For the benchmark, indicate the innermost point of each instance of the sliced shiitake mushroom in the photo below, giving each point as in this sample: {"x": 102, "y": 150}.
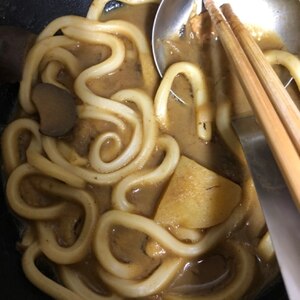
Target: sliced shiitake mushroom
{"x": 56, "y": 108}
{"x": 15, "y": 43}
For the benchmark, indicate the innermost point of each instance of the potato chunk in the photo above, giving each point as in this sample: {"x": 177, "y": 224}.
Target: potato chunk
{"x": 197, "y": 197}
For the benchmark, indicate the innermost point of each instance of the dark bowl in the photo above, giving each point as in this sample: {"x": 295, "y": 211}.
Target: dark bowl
{"x": 35, "y": 15}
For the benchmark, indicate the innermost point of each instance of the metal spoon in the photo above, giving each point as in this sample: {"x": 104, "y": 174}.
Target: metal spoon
{"x": 282, "y": 217}
{"x": 280, "y": 16}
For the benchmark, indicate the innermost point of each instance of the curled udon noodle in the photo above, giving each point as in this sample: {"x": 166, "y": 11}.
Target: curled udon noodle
{"x": 51, "y": 157}
{"x": 157, "y": 281}
{"x": 74, "y": 26}
{"x": 90, "y": 112}
{"x": 123, "y": 277}
{"x": 289, "y": 61}
{"x": 47, "y": 238}
{"x": 144, "y": 103}
{"x": 47, "y": 167}
{"x": 21, "y": 207}
{"x": 71, "y": 154}
{"x": 49, "y": 42}
{"x": 46, "y": 284}
{"x": 126, "y": 156}
{"x": 73, "y": 281}
{"x": 31, "y": 67}
{"x": 81, "y": 89}
{"x": 200, "y": 93}
{"x": 50, "y": 73}
{"x": 56, "y": 60}
{"x": 157, "y": 233}
{"x": 33, "y": 153}
{"x": 10, "y": 139}
{"x": 65, "y": 57}
{"x": 148, "y": 177}
{"x": 36, "y": 159}
{"x": 235, "y": 289}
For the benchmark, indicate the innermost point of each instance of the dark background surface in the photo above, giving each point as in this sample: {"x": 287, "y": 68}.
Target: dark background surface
{"x": 34, "y": 15}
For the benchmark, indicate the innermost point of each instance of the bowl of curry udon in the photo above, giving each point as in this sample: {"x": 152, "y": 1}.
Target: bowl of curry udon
{"x": 112, "y": 188}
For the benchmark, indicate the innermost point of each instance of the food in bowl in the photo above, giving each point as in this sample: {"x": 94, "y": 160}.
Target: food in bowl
{"x": 124, "y": 191}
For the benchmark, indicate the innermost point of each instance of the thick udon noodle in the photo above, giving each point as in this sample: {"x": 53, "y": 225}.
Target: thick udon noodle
{"x": 142, "y": 111}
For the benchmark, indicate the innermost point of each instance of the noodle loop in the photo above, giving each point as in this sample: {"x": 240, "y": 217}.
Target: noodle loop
{"x": 88, "y": 196}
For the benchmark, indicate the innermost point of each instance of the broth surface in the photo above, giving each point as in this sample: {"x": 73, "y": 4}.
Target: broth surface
{"x": 200, "y": 275}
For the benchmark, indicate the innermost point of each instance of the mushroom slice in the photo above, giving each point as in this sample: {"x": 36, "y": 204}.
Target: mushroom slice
{"x": 15, "y": 43}
{"x": 56, "y": 108}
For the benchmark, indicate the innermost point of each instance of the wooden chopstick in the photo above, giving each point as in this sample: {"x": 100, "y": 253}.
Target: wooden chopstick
{"x": 281, "y": 100}
{"x": 283, "y": 148}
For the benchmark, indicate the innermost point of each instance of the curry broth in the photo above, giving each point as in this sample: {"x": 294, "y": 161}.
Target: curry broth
{"x": 201, "y": 275}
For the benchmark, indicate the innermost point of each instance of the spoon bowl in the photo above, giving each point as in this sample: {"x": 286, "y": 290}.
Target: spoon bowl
{"x": 279, "y": 16}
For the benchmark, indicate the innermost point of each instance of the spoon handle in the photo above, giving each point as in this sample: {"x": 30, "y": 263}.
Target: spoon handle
{"x": 282, "y": 217}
